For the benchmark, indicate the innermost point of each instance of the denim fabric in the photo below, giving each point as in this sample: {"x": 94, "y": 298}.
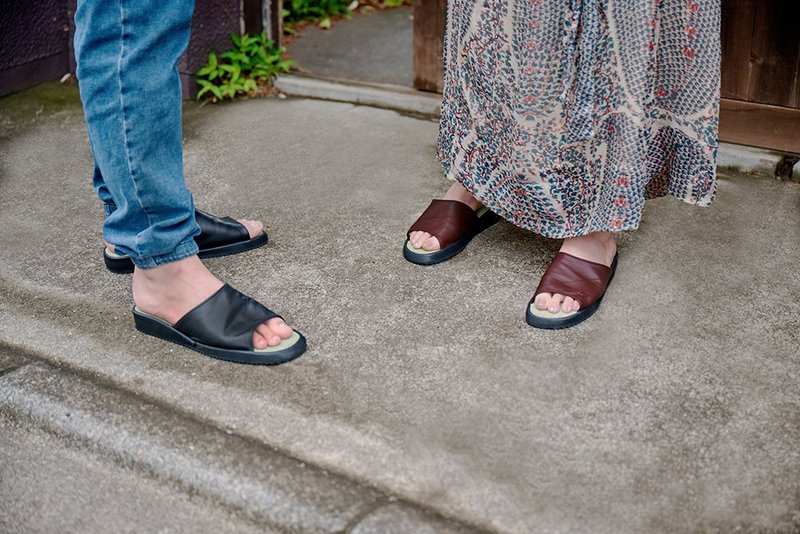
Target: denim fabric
{"x": 127, "y": 53}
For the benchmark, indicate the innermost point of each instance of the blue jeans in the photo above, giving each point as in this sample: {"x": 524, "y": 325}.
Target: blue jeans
{"x": 127, "y": 53}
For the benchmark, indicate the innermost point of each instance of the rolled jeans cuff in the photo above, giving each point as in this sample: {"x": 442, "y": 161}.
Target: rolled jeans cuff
{"x": 109, "y": 208}
{"x": 184, "y": 250}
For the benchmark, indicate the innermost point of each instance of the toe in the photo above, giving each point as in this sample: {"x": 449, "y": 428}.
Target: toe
{"x": 554, "y": 305}
{"x": 567, "y": 305}
{"x": 541, "y": 301}
{"x": 259, "y": 341}
{"x": 279, "y": 327}
{"x": 271, "y": 337}
{"x": 420, "y": 238}
{"x": 254, "y": 228}
{"x": 431, "y": 243}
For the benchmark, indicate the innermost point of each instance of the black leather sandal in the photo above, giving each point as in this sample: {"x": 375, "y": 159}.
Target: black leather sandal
{"x": 219, "y": 236}
{"x": 222, "y": 327}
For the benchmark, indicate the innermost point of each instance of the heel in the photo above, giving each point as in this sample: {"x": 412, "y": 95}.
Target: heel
{"x": 118, "y": 265}
{"x": 153, "y": 326}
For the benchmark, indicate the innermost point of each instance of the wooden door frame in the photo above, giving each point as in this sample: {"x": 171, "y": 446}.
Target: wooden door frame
{"x": 264, "y": 16}
{"x": 429, "y": 29}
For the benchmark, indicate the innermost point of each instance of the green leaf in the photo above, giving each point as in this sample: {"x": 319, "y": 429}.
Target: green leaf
{"x": 209, "y": 88}
{"x": 253, "y": 58}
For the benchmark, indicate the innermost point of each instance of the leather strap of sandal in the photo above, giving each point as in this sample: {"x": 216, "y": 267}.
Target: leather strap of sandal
{"x": 583, "y": 280}
{"x": 446, "y": 220}
{"x": 226, "y": 319}
{"x": 218, "y": 231}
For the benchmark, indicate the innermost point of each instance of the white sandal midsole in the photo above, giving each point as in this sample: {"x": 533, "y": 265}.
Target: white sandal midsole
{"x": 545, "y": 314}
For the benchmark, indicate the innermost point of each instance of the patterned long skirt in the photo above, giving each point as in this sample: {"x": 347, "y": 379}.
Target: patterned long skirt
{"x": 564, "y": 116}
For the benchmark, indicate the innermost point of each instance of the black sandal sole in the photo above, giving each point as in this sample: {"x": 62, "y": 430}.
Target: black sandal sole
{"x": 486, "y": 221}
{"x": 125, "y": 265}
{"x": 161, "y": 329}
{"x": 565, "y": 322}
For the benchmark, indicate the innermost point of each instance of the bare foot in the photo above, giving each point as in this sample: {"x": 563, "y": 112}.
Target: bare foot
{"x": 171, "y": 290}
{"x": 425, "y": 240}
{"x": 254, "y": 228}
{"x": 598, "y": 247}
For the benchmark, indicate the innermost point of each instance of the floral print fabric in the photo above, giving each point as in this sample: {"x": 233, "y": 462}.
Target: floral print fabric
{"x": 564, "y": 116}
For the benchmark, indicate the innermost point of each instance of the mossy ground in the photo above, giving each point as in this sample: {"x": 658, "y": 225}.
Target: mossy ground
{"x": 25, "y": 107}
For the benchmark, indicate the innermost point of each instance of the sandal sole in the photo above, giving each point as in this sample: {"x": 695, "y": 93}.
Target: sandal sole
{"x": 153, "y": 326}
{"x": 124, "y": 265}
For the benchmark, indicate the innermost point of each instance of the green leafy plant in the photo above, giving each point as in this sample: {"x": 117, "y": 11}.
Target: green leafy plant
{"x": 319, "y": 11}
{"x": 253, "y": 59}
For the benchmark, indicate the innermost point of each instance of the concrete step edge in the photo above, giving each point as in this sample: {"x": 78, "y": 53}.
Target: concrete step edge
{"x": 15, "y": 296}
{"x": 374, "y": 95}
{"x": 732, "y": 158}
{"x": 235, "y": 472}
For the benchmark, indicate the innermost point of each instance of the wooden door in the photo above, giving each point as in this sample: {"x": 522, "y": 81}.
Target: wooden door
{"x": 761, "y": 73}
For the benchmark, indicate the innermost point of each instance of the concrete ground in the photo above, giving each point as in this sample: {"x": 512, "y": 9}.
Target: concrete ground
{"x": 424, "y": 401}
{"x": 372, "y": 46}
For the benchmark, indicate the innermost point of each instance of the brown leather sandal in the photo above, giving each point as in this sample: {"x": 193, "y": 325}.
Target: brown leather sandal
{"x": 453, "y": 223}
{"x": 583, "y": 280}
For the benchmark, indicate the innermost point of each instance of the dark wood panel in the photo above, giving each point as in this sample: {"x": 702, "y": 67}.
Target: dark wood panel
{"x": 429, "y": 29}
{"x": 274, "y": 22}
{"x": 776, "y": 54}
{"x": 253, "y": 15}
{"x": 264, "y": 16}
{"x": 759, "y": 125}
{"x": 738, "y": 24}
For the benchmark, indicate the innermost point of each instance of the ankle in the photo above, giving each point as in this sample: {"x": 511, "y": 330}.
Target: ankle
{"x": 597, "y": 246}
{"x": 170, "y": 290}
{"x": 604, "y": 239}
{"x": 459, "y": 192}
{"x": 170, "y": 271}
{"x": 151, "y": 286}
